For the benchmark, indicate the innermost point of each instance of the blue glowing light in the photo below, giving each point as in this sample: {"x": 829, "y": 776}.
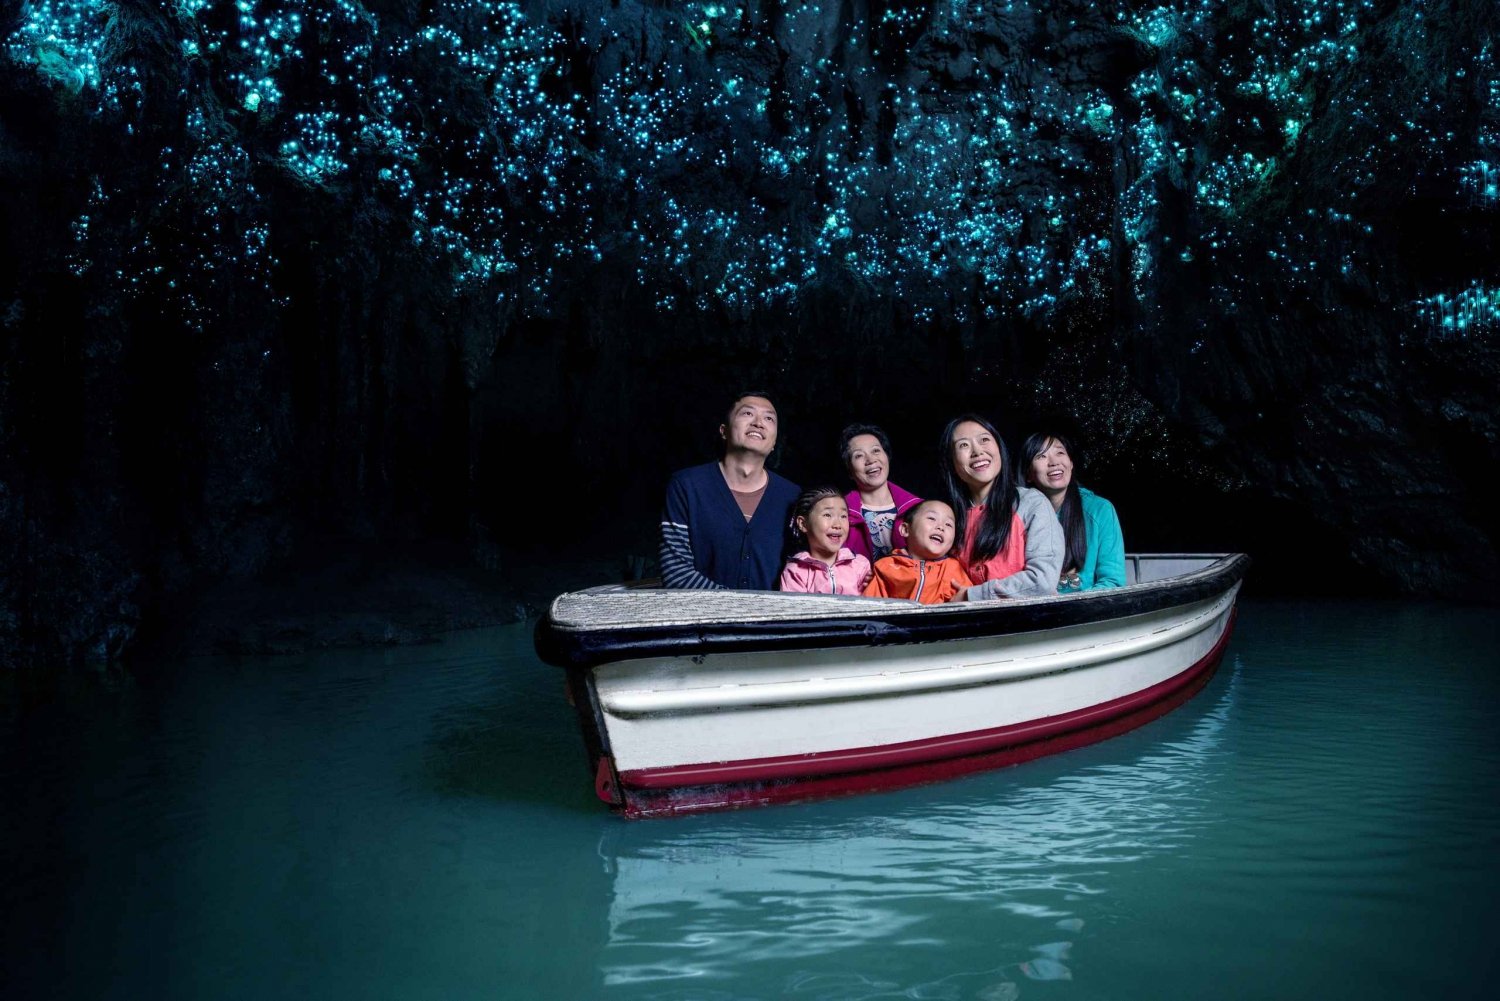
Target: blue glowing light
{"x": 1472, "y": 312}
{"x": 741, "y": 159}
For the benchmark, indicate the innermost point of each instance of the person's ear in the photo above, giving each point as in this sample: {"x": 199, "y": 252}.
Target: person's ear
{"x": 903, "y": 528}
{"x": 724, "y": 431}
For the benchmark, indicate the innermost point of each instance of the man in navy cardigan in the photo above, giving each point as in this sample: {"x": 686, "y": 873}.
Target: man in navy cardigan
{"x": 725, "y": 521}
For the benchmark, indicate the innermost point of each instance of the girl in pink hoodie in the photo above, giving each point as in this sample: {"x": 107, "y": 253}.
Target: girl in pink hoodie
{"x": 820, "y": 519}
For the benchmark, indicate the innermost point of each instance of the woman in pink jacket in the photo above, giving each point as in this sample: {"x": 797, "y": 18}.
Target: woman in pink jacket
{"x": 875, "y": 503}
{"x": 820, "y": 519}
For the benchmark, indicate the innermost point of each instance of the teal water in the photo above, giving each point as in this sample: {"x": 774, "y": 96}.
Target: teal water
{"x": 1321, "y": 821}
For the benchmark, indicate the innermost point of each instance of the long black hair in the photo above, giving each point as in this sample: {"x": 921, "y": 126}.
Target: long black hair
{"x": 1075, "y": 529}
{"x": 999, "y": 507}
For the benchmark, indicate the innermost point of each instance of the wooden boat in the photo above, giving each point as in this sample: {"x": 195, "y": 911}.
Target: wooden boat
{"x": 699, "y": 700}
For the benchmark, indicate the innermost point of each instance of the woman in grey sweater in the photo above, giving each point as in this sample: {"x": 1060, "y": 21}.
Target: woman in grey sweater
{"x": 1009, "y": 539}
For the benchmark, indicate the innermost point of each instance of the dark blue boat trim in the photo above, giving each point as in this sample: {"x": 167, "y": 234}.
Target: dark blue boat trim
{"x": 577, "y": 648}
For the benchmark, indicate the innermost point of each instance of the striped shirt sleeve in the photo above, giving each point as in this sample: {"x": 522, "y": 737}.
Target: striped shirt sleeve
{"x": 678, "y": 569}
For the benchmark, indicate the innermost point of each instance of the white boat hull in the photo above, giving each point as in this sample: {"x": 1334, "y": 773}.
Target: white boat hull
{"x": 722, "y": 723}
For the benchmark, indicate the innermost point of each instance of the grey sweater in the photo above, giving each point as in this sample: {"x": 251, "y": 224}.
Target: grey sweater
{"x": 1045, "y": 549}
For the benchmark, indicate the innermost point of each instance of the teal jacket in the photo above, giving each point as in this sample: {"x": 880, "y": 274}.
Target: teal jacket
{"x": 1104, "y": 562}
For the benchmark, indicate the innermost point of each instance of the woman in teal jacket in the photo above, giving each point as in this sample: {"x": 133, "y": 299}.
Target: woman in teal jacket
{"x": 1096, "y": 547}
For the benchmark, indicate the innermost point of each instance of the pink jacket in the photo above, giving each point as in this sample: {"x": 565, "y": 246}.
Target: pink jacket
{"x": 848, "y": 575}
{"x": 859, "y": 532}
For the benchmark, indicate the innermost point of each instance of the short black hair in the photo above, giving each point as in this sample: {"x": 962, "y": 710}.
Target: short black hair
{"x": 774, "y": 459}
{"x": 729, "y": 412}
{"x": 854, "y": 431}
{"x": 911, "y": 512}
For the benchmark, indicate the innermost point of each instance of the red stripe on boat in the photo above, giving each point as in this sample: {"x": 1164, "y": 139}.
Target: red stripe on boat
{"x": 725, "y": 785}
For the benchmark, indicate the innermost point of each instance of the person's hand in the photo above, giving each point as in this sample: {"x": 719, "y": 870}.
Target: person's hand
{"x": 962, "y": 594}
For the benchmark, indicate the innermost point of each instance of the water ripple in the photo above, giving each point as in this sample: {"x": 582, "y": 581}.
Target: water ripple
{"x": 1319, "y": 821}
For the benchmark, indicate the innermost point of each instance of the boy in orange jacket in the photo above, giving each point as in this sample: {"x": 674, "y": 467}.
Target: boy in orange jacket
{"x": 922, "y": 571}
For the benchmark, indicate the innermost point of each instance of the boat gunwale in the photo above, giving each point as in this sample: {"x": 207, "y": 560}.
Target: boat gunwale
{"x": 637, "y": 703}
{"x": 581, "y": 647}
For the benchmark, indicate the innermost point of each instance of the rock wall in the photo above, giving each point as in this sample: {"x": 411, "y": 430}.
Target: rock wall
{"x": 420, "y": 268}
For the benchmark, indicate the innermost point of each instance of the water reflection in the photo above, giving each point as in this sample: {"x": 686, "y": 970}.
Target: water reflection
{"x": 988, "y": 876}
{"x": 420, "y": 823}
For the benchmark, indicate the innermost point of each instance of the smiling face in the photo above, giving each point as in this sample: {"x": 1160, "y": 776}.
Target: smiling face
{"x": 751, "y": 426}
{"x": 928, "y": 530}
{"x": 1051, "y": 469}
{"x": 826, "y": 527}
{"x": 976, "y": 457}
{"x": 868, "y": 464}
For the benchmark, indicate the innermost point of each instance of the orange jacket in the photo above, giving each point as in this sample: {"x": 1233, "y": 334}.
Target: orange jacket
{"x": 902, "y": 575}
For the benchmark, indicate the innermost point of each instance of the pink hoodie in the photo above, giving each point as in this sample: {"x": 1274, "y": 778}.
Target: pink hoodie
{"x": 848, "y": 575}
{"x": 859, "y": 532}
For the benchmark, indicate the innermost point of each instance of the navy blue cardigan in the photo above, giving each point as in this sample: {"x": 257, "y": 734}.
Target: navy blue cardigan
{"x": 706, "y": 541}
